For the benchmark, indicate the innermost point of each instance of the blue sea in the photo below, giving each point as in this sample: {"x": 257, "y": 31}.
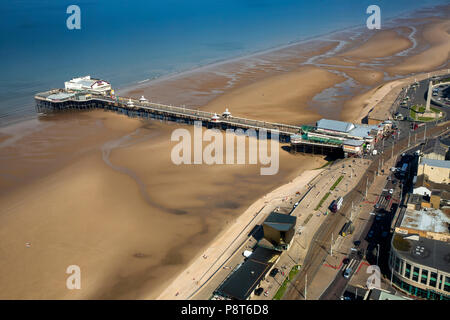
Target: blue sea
{"x": 129, "y": 41}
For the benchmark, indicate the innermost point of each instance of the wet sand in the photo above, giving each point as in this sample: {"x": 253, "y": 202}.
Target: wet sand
{"x": 381, "y": 44}
{"x": 99, "y": 190}
{"x": 123, "y": 212}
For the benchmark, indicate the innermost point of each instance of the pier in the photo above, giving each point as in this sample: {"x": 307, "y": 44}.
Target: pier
{"x": 326, "y": 137}
{"x": 60, "y": 100}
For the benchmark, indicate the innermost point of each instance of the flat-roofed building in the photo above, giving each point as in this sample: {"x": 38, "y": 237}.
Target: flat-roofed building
{"x": 420, "y": 266}
{"x": 427, "y": 222}
{"x": 380, "y": 294}
{"x": 437, "y": 171}
{"x": 60, "y": 96}
{"x": 435, "y": 198}
{"x": 353, "y": 146}
{"x": 420, "y": 249}
{"x": 240, "y": 285}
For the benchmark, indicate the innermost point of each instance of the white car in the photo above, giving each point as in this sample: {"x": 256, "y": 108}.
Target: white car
{"x": 247, "y": 253}
{"x": 391, "y": 191}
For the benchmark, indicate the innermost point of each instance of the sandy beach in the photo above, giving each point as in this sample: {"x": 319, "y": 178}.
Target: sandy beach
{"x": 99, "y": 190}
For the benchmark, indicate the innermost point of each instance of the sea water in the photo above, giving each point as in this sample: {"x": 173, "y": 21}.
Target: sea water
{"x": 127, "y": 42}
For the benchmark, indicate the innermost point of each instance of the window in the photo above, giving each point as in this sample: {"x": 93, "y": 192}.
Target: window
{"x": 408, "y": 271}
{"x": 406, "y": 287}
{"x": 424, "y": 277}
{"x": 447, "y": 284}
{"x": 416, "y": 274}
{"x": 397, "y": 264}
{"x": 421, "y": 293}
{"x": 433, "y": 279}
{"x": 397, "y": 281}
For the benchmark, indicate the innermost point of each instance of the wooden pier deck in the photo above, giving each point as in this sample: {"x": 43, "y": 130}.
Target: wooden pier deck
{"x": 147, "y": 109}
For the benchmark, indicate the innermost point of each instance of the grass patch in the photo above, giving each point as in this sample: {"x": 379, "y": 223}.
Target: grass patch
{"x": 307, "y": 219}
{"x": 425, "y": 119}
{"x": 416, "y": 111}
{"x": 336, "y": 183}
{"x": 282, "y": 289}
{"x": 322, "y": 200}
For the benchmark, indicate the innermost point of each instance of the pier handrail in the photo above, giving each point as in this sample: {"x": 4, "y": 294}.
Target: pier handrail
{"x": 175, "y": 110}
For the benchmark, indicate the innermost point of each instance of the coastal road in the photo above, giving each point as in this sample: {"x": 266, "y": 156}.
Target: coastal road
{"x": 319, "y": 246}
{"x": 376, "y": 224}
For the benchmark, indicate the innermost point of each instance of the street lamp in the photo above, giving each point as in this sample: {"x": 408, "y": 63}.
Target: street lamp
{"x": 306, "y": 283}
{"x": 378, "y": 252}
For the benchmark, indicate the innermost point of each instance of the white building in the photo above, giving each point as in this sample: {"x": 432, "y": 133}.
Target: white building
{"x": 87, "y": 83}
{"x": 423, "y": 191}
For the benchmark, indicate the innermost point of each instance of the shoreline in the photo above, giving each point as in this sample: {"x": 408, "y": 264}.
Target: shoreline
{"x": 251, "y": 100}
{"x": 319, "y": 37}
{"x": 376, "y": 98}
{"x": 229, "y": 239}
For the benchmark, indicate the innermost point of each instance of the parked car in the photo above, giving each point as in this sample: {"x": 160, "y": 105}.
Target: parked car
{"x": 347, "y": 273}
{"x": 259, "y": 291}
{"x": 357, "y": 243}
{"x": 391, "y": 191}
{"x": 274, "y": 272}
{"x": 370, "y": 234}
{"x": 247, "y": 253}
{"x": 346, "y": 261}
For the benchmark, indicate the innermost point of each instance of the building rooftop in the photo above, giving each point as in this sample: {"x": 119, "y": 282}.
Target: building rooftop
{"x": 434, "y": 254}
{"x": 361, "y": 131}
{"x": 335, "y": 125}
{"x": 436, "y": 192}
{"x": 265, "y": 255}
{"x": 434, "y": 146}
{"x": 240, "y": 284}
{"x": 281, "y": 222}
{"x": 60, "y": 96}
{"x": 436, "y": 163}
{"x": 377, "y": 294}
{"x": 244, "y": 280}
{"x": 426, "y": 219}
{"x": 356, "y": 143}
